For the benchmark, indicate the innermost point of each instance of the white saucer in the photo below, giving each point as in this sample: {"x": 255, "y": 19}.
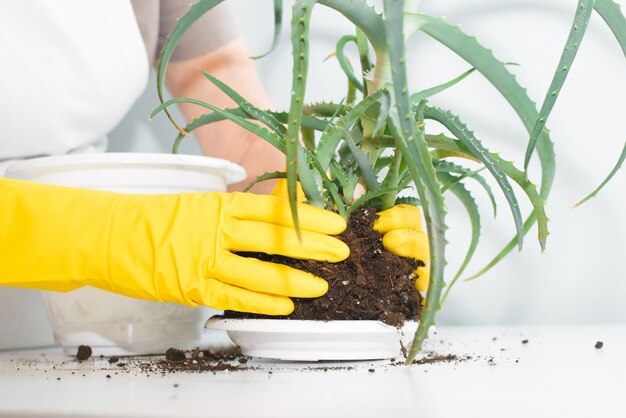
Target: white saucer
{"x": 316, "y": 340}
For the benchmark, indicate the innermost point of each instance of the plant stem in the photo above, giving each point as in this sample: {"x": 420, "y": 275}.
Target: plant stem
{"x": 382, "y": 71}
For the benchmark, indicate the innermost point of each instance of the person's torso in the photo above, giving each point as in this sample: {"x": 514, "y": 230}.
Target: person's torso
{"x": 71, "y": 70}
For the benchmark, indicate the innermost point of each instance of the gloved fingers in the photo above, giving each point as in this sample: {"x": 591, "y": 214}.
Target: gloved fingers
{"x": 273, "y": 239}
{"x": 266, "y": 277}
{"x": 399, "y": 217}
{"x": 423, "y": 277}
{"x": 219, "y": 295}
{"x": 414, "y": 244}
{"x": 280, "y": 190}
{"x": 408, "y": 243}
{"x": 276, "y": 210}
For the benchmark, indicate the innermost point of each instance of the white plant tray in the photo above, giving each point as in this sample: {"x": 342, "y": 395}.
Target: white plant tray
{"x": 316, "y": 340}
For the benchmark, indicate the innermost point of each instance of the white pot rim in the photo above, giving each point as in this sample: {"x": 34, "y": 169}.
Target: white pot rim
{"x": 300, "y": 326}
{"x": 234, "y": 172}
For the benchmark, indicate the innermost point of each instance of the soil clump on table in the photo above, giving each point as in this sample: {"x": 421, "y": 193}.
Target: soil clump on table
{"x": 83, "y": 353}
{"x": 372, "y": 284}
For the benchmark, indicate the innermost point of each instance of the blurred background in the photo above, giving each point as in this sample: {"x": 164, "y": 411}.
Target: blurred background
{"x": 581, "y": 277}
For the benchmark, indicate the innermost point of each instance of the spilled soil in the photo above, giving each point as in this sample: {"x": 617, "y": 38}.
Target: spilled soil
{"x": 372, "y": 284}
{"x": 197, "y": 361}
{"x": 232, "y": 360}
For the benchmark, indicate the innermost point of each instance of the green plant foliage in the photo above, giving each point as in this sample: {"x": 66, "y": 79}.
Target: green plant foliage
{"x": 463, "y": 172}
{"x": 345, "y": 64}
{"x": 278, "y": 24}
{"x": 411, "y": 141}
{"x": 614, "y": 18}
{"x": 196, "y": 11}
{"x": 425, "y": 94}
{"x": 299, "y": 40}
{"x": 581, "y": 20}
{"x": 620, "y": 161}
{"x": 368, "y": 147}
{"x": 467, "y": 138}
{"x": 465, "y": 197}
{"x": 496, "y": 72}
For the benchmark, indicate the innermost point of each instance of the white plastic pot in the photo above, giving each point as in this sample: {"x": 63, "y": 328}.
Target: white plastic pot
{"x": 316, "y": 340}
{"x": 113, "y": 324}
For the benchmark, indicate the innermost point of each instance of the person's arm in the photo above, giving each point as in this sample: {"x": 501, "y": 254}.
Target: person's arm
{"x": 231, "y": 64}
{"x": 172, "y": 248}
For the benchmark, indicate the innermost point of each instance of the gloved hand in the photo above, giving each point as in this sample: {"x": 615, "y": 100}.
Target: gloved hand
{"x": 171, "y": 248}
{"x": 401, "y": 227}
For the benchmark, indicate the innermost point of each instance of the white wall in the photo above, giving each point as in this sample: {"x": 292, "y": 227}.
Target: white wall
{"x": 581, "y": 276}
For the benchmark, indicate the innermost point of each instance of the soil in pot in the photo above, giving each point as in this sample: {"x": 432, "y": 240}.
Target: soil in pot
{"x": 372, "y": 284}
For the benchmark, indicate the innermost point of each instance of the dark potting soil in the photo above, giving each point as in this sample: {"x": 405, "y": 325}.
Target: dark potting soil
{"x": 175, "y": 355}
{"x": 432, "y": 358}
{"x": 197, "y": 361}
{"x": 232, "y": 360}
{"x": 83, "y": 353}
{"x": 372, "y": 284}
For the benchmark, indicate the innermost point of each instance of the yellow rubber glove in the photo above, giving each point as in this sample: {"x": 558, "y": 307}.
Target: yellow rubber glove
{"x": 171, "y": 248}
{"x": 401, "y": 227}
{"x": 281, "y": 190}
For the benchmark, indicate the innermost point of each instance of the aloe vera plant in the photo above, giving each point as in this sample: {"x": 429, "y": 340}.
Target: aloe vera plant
{"x": 376, "y": 139}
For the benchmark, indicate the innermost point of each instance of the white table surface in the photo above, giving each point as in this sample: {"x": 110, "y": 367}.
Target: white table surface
{"x": 558, "y": 373}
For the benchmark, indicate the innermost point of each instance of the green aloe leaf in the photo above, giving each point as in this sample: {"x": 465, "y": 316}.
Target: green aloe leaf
{"x": 538, "y": 214}
{"x": 614, "y": 18}
{"x": 411, "y": 141}
{"x": 408, "y": 200}
{"x": 466, "y": 198}
{"x": 467, "y": 137}
{"x": 208, "y": 118}
{"x": 331, "y": 187}
{"x": 308, "y": 138}
{"x": 367, "y": 171}
{"x": 300, "y": 50}
{"x": 392, "y": 180}
{"x": 365, "y": 198}
{"x": 576, "y": 34}
{"x": 449, "y": 146}
{"x": 364, "y": 57}
{"x": 383, "y": 114}
{"x": 326, "y": 109}
{"x": 347, "y": 179}
{"x": 425, "y": 94}
{"x": 266, "y": 176}
{"x": 383, "y": 162}
{"x": 195, "y": 12}
{"x": 461, "y": 177}
{"x": 617, "y": 166}
{"x": 309, "y": 178}
{"x": 330, "y": 139}
{"x": 449, "y": 167}
{"x": 344, "y": 63}
{"x": 278, "y": 24}
{"x": 260, "y": 131}
{"x": 202, "y": 120}
{"x": 364, "y": 17}
{"x": 262, "y": 116}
